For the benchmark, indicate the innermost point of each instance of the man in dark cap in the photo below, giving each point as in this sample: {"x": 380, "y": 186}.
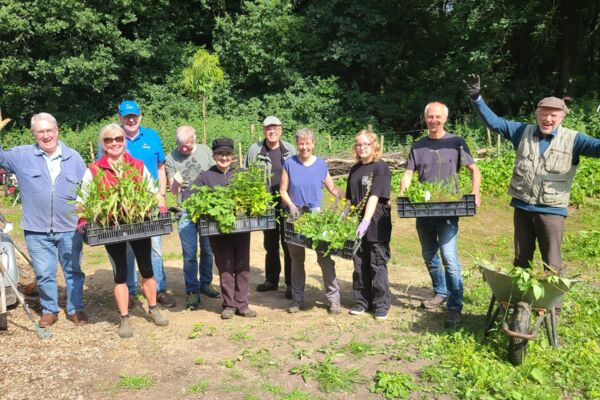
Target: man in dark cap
{"x": 547, "y": 156}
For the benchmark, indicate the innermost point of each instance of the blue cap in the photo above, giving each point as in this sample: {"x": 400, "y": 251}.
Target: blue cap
{"x": 128, "y": 107}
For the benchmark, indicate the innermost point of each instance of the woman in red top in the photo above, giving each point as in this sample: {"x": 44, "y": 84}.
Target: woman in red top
{"x": 112, "y": 139}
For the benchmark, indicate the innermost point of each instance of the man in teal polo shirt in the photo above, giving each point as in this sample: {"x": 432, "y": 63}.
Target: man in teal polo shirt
{"x": 145, "y": 144}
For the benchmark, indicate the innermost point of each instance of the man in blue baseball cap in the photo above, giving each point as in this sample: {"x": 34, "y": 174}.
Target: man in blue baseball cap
{"x": 145, "y": 144}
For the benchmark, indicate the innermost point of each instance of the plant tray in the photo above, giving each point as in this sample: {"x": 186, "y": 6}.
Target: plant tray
{"x": 210, "y": 227}
{"x": 463, "y": 208}
{"x": 157, "y": 225}
{"x": 292, "y": 237}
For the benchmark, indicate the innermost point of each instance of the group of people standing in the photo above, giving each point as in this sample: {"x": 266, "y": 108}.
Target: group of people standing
{"x": 49, "y": 174}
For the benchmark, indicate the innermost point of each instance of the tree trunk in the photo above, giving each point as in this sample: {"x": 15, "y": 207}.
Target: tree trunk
{"x": 203, "y": 119}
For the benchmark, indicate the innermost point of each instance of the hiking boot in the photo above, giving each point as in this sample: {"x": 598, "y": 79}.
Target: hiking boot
{"x": 125, "y": 329}
{"x": 288, "y": 292}
{"x": 166, "y": 299}
{"x": 156, "y": 317}
{"x": 246, "y": 313}
{"x": 381, "y": 315}
{"x": 335, "y": 309}
{"x": 294, "y": 308}
{"x": 357, "y": 309}
{"x": 78, "y": 318}
{"x": 433, "y": 302}
{"x": 227, "y": 313}
{"x": 267, "y": 286}
{"x": 209, "y": 291}
{"x": 192, "y": 301}
{"x": 453, "y": 318}
{"x": 47, "y": 320}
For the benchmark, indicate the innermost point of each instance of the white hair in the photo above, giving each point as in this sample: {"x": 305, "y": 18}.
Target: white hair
{"x": 42, "y": 117}
{"x": 437, "y": 103}
{"x": 185, "y": 132}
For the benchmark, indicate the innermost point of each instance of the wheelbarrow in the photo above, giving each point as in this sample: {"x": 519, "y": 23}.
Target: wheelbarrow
{"x": 517, "y": 307}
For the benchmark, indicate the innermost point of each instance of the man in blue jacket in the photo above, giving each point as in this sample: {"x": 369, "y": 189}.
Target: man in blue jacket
{"x": 49, "y": 174}
{"x": 547, "y": 157}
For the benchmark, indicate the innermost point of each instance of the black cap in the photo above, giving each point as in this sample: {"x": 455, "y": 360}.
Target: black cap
{"x": 223, "y": 145}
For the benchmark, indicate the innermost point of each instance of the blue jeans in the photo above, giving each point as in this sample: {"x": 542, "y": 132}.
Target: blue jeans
{"x": 157, "y": 267}
{"x": 188, "y": 235}
{"x": 46, "y": 250}
{"x": 439, "y": 235}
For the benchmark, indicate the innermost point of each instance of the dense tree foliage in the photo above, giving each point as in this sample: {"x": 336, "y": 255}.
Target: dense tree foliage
{"x": 335, "y": 65}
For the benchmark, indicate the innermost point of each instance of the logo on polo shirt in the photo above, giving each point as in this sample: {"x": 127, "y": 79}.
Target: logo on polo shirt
{"x": 146, "y": 146}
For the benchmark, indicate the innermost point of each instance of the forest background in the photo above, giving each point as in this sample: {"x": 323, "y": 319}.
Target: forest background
{"x": 335, "y": 66}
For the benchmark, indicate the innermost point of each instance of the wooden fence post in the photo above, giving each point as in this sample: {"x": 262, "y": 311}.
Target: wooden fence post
{"x": 381, "y": 136}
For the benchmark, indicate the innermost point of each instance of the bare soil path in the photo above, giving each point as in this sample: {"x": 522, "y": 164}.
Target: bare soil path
{"x": 237, "y": 359}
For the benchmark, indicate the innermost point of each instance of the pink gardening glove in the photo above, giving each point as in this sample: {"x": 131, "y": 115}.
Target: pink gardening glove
{"x": 163, "y": 210}
{"x": 81, "y": 224}
{"x": 362, "y": 228}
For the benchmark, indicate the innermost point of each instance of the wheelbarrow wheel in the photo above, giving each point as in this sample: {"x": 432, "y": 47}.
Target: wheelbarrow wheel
{"x": 517, "y": 347}
{"x": 3, "y": 322}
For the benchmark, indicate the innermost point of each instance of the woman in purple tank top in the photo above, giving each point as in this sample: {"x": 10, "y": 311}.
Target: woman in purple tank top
{"x": 302, "y": 181}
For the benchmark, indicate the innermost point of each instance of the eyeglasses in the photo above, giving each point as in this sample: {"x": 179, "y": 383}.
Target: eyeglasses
{"x": 116, "y": 139}
{"x": 40, "y": 132}
{"x": 224, "y": 155}
{"x": 359, "y": 145}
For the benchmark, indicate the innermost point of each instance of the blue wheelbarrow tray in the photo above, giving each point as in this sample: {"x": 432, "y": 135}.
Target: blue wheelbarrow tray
{"x": 505, "y": 290}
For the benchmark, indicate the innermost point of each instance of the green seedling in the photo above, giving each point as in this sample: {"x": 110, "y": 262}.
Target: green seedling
{"x": 198, "y": 388}
{"x": 393, "y": 385}
{"x": 136, "y": 382}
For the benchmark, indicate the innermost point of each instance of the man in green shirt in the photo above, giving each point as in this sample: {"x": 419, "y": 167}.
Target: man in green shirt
{"x": 183, "y": 166}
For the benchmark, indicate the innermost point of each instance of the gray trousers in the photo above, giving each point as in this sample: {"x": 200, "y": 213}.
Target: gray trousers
{"x": 332, "y": 288}
{"x": 547, "y": 229}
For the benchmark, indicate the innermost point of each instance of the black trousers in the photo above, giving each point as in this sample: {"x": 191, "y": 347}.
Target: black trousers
{"x": 232, "y": 256}
{"x": 370, "y": 276}
{"x": 271, "y": 241}
{"x": 142, "y": 250}
{"x": 547, "y": 229}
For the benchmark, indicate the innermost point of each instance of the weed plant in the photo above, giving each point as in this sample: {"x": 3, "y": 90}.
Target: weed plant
{"x": 246, "y": 195}
{"x": 331, "y": 378}
{"x": 136, "y": 382}
{"x": 126, "y": 201}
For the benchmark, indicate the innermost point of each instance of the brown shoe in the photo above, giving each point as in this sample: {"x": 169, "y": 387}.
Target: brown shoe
{"x": 166, "y": 299}
{"x": 78, "y": 318}
{"x": 433, "y": 302}
{"x": 47, "y": 320}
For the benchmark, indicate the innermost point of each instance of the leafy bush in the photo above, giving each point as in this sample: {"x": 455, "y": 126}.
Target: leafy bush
{"x": 246, "y": 195}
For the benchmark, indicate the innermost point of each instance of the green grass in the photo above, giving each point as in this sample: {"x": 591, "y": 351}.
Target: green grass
{"x": 135, "y": 382}
{"x": 198, "y": 388}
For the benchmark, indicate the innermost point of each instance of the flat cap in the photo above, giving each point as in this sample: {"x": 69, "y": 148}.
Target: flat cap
{"x": 553, "y": 102}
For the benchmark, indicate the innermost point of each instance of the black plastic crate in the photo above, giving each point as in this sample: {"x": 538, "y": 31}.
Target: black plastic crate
{"x": 291, "y": 236}
{"x": 462, "y": 208}
{"x": 158, "y": 225}
{"x": 210, "y": 227}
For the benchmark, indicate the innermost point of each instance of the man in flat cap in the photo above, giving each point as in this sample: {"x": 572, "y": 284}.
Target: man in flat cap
{"x": 270, "y": 153}
{"x": 547, "y": 156}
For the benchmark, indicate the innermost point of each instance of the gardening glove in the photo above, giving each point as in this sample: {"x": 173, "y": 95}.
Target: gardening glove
{"x": 362, "y": 228}
{"x": 294, "y": 212}
{"x": 473, "y": 86}
{"x": 163, "y": 210}
{"x": 81, "y": 224}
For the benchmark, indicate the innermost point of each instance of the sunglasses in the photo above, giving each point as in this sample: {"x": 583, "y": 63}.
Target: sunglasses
{"x": 118, "y": 139}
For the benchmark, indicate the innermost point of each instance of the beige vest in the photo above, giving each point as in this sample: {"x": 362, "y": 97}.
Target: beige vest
{"x": 544, "y": 178}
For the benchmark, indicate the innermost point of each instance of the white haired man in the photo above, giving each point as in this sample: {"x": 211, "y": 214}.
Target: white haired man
{"x": 183, "y": 166}
{"x": 49, "y": 174}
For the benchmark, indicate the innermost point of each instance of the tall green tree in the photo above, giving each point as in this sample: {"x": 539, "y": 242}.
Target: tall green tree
{"x": 200, "y": 78}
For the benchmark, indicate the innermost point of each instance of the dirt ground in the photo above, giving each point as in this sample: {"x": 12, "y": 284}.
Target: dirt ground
{"x": 88, "y": 362}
